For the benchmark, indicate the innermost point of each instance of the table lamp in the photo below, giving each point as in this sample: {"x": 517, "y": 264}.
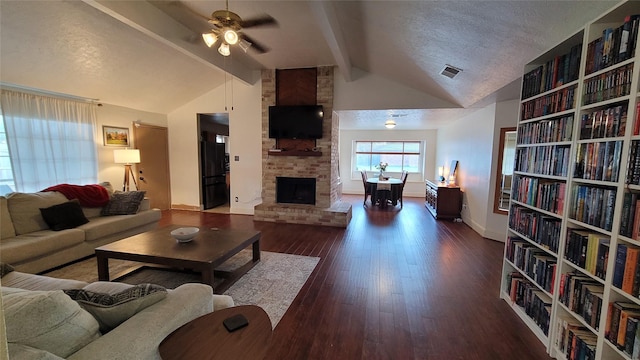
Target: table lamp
{"x": 127, "y": 157}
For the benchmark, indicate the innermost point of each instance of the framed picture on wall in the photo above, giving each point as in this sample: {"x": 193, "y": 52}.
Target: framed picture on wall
{"x": 115, "y": 136}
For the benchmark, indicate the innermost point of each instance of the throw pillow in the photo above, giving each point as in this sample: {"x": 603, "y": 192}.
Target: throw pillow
{"x": 47, "y": 320}
{"x": 5, "y": 269}
{"x": 64, "y": 216}
{"x": 112, "y": 310}
{"x": 123, "y": 203}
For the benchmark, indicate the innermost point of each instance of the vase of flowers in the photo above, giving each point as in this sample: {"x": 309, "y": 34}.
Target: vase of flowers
{"x": 382, "y": 166}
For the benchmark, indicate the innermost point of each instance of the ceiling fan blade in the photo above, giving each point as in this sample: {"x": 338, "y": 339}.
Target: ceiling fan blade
{"x": 255, "y": 45}
{"x": 262, "y": 20}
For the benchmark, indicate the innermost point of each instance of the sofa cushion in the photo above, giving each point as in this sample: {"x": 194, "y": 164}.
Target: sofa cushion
{"x": 64, "y": 216}
{"x": 6, "y": 225}
{"x": 23, "y": 352}
{"x": 26, "y": 281}
{"x": 17, "y": 249}
{"x": 123, "y": 203}
{"x": 47, "y": 320}
{"x": 5, "y": 269}
{"x": 104, "y": 226}
{"x": 24, "y": 209}
{"x": 112, "y": 309}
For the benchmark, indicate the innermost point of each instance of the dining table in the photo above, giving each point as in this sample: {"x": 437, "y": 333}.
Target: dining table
{"x": 384, "y": 191}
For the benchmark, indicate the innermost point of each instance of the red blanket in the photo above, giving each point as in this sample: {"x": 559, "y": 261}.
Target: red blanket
{"x": 88, "y": 195}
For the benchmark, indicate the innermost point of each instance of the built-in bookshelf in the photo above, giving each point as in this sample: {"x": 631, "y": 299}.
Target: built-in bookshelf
{"x": 571, "y": 267}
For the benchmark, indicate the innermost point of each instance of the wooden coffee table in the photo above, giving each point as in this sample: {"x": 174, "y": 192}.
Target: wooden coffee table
{"x": 206, "y": 338}
{"x": 208, "y": 250}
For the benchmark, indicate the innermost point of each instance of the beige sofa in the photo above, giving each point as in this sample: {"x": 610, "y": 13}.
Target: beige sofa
{"x": 27, "y": 243}
{"x": 137, "y": 337}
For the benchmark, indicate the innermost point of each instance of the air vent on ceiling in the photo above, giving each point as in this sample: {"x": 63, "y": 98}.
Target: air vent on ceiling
{"x": 450, "y": 71}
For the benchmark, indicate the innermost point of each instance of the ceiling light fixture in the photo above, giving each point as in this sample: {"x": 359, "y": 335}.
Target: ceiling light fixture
{"x": 209, "y": 39}
{"x": 224, "y": 49}
{"x": 389, "y": 124}
{"x": 231, "y": 37}
{"x": 244, "y": 45}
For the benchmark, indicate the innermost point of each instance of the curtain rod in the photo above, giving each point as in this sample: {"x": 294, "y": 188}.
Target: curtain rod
{"x": 36, "y": 91}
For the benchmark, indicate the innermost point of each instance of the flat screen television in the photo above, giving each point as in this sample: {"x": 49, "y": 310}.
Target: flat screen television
{"x": 295, "y": 122}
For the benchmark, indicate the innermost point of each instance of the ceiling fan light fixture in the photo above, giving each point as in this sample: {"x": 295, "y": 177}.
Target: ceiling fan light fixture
{"x": 224, "y": 49}
{"x": 389, "y": 124}
{"x": 244, "y": 45}
{"x": 231, "y": 37}
{"x": 209, "y": 39}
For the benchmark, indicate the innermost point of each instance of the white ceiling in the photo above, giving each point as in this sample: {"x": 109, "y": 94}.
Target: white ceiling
{"x": 143, "y": 55}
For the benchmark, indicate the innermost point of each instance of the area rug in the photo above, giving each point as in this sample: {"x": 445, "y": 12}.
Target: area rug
{"x": 272, "y": 284}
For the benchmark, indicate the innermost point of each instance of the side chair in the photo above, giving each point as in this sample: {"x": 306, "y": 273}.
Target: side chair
{"x": 367, "y": 188}
{"x": 403, "y": 177}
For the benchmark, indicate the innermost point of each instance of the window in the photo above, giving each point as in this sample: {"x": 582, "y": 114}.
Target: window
{"x": 400, "y": 155}
{"x": 6, "y": 172}
{"x": 46, "y": 141}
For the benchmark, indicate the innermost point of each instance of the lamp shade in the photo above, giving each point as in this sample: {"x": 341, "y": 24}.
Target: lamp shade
{"x": 224, "y": 49}
{"x": 209, "y": 39}
{"x": 126, "y": 156}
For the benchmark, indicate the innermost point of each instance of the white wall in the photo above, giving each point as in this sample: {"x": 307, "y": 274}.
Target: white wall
{"x": 473, "y": 141}
{"x": 415, "y": 186}
{"x": 112, "y": 115}
{"x": 506, "y": 116}
{"x": 470, "y": 141}
{"x": 372, "y": 92}
{"x": 245, "y": 141}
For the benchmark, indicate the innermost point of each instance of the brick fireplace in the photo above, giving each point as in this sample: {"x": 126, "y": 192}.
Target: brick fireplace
{"x": 328, "y": 209}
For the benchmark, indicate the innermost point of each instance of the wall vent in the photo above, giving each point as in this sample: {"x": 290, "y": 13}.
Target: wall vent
{"x": 450, "y": 71}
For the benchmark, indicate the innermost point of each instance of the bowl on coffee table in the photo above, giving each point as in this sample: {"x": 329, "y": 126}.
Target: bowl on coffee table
{"x": 184, "y": 234}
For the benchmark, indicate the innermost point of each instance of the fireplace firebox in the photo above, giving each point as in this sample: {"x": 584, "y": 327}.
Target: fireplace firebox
{"x": 292, "y": 190}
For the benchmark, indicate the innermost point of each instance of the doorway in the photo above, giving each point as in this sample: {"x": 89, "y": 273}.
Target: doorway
{"x": 215, "y": 184}
{"x": 153, "y": 170}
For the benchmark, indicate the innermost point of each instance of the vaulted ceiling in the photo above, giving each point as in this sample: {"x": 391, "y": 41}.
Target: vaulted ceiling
{"x": 148, "y": 55}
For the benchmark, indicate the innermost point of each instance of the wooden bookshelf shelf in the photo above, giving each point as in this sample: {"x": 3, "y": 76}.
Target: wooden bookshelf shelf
{"x": 571, "y": 264}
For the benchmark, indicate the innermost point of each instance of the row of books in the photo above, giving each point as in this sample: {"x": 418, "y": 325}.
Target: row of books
{"x": 560, "y": 100}
{"x": 588, "y": 250}
{"x": 546, "y": 131}
{"x": 621, "y": 327}
{"x": 537, "y": 264}
{"x": 598, "y": 161}
{"x": 582, "y": 295}
{"x": 608, "y": 122}
{"x": 542, "y": 229}
{"x": 633, "y": 168}
{"x": 593, "y": 205}
{"x": 630, "y": 216}
{"x": 544, "y": 194}
{"x": 626, "y": 272}
{"x": 543, "y": 160}
{"x": 614, "y": 46}
{"x": 610, "y": 85}
{"x": 535, "y": 302}
{"x": 575, "y": 341}
{"x": 560, "y": 70}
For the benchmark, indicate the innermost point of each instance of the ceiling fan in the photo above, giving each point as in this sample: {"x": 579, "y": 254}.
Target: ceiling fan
{"x": 228, "y": 27}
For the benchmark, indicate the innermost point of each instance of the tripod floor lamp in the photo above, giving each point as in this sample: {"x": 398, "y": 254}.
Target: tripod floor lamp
{"x": 127, "y": 157}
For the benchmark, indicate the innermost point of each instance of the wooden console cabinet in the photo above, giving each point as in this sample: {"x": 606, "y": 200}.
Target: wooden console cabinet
{"x": 443, "y": 202}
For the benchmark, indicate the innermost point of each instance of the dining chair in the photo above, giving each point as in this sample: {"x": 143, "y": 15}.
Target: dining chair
{"x": 367, "y": 188}
{"x": 403, "y": 177}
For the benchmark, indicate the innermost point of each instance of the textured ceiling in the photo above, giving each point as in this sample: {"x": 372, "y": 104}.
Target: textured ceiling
{"x": 145, "y": 56}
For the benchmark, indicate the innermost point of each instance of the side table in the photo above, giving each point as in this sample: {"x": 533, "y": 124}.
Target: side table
{"x": 207, "y": 338}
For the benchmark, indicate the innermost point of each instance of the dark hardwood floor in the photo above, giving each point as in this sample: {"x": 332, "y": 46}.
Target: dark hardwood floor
{"x": 395, "y": 284}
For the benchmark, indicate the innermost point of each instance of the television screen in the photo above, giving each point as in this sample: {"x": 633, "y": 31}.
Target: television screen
{"x": 295, "y": 122}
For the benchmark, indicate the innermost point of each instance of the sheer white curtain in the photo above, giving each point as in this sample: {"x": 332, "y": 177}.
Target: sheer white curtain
{"x": 50, "y": 140}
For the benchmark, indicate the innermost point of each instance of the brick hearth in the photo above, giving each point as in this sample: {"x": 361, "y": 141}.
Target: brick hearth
{"x": 329, "y": 210}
